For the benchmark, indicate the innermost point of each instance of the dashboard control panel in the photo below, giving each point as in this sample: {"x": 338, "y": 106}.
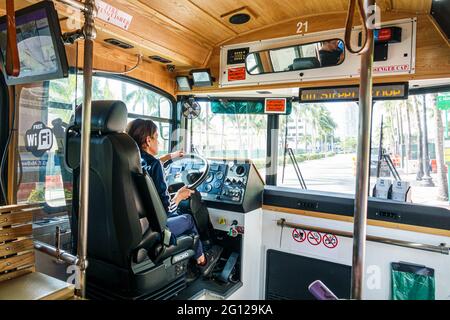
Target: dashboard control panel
{"x": 226, "y": 181}
{"x": 232, "y": 184}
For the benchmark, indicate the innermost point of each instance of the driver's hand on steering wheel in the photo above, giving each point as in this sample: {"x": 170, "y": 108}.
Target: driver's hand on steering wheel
{"x": 183, "y": 194}
{"x": 177, "y": 154}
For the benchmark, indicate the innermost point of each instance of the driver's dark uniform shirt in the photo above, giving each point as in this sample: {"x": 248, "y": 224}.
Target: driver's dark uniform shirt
{"x": 330, "y": 58}
{"x": 155, "y": 170}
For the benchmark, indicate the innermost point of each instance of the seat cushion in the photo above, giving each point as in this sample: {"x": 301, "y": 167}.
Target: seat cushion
{"x": 184, "y": 243}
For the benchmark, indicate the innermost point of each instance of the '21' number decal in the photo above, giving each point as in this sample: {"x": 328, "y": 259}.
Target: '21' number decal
{"x": 302, "y": 27}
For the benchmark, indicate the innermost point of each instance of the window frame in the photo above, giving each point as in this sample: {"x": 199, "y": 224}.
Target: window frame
{"x": 272, "y": 155}
{"x": 50, "y": 210}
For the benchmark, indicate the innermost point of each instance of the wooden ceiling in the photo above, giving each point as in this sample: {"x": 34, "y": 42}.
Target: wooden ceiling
{"x": 187, "y": 31}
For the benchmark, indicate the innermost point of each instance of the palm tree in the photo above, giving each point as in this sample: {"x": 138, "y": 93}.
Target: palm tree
{"x": 440, "y": 160}
{"x": 427, "y": 181}
{"x": 148, "y": 100}
{"x": 420, "y": 172}
{"x": 407, "y": 107}
{"x": 63, "y": 90}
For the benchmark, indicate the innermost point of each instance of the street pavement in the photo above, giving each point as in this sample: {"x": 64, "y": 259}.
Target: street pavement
{"x": 336, "y": 174}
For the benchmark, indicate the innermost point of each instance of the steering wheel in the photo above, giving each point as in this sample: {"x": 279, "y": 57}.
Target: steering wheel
{"x": 191, "y": 170}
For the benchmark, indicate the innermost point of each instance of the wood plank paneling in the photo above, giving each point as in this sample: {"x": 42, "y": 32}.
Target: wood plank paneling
{"x": 112, "y": 59}
{"x": 16, "y": 218}
{"x": 7, "y": 234}
{"x": 16, "y": 247}
{"x": 16, "y": 274}
{"x": 19, "y": 261}
{"x": 194, "y": 18}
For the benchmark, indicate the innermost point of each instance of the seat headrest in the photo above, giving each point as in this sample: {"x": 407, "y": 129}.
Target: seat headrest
{"x": 107, "y": 116}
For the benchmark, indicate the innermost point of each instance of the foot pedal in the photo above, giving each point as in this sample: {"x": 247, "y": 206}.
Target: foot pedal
{"x": 229, "y": 266}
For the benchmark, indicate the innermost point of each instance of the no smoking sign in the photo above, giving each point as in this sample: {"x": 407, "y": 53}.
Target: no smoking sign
{"x": 315, "y": 238}
{"x": 299, "y": 235}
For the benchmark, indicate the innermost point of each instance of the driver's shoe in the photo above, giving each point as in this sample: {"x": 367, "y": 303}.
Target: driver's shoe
{"x": 212, "y": 257}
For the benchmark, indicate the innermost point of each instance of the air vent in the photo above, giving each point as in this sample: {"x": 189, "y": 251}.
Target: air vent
{"x": 119, "y": 43}
{"x": 385, "y": 215}
{"x": 240, "y": 18}
{"x": 160, "y": 59}
{"x": 263, "y": 92}
{"x": 307, "y": 205}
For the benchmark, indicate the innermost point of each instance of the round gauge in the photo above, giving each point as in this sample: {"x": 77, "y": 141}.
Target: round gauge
{"x": 208, "y": 188}
{"x": 209, "y": 178}
{"x": 219, "y": 175}
{"x": 240, "y": 170}
{"x": 217, "y": 184}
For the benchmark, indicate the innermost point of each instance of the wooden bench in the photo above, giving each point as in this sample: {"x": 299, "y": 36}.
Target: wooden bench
{"x": 18, "y": 279}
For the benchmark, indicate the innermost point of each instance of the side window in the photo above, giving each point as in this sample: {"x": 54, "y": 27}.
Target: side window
{"x": 317, "y": 147}
{"x": 411, "y": 143}
{"x": 46, "y": 110}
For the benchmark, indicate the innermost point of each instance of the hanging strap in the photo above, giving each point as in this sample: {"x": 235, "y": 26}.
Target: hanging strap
{"x": 349, "y": 24}
{"x": 12, "y": 53}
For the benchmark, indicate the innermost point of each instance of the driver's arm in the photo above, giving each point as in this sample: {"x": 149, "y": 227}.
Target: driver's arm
{"x": 170, "y": 156}
{"x": 155, "y": 171}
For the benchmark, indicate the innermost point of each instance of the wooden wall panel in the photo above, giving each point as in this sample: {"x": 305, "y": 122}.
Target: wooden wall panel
{"x": 111, "y": 59}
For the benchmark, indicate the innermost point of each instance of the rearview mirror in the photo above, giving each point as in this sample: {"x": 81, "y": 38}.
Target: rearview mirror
{"x": 314, "y": 55}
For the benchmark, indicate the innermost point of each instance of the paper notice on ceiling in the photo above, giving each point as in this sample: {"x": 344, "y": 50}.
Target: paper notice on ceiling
{"x": 113, "y": 15}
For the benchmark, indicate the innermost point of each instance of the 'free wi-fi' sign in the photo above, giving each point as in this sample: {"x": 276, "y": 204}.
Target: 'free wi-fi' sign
{"x": 38, "y": 139}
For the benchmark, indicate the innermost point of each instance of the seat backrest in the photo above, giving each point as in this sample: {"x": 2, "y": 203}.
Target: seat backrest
{"x": 116, "y": 208}
{"x": 306, "y": 63}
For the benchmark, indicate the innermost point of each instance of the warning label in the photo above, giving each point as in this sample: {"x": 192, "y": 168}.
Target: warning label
{"x": 314, "y": 238}
{"x": 237, "y": 74}
{"x": 299, "y": 235}
{"x": 275, "y": 106}
{"x": 330, "y": 241}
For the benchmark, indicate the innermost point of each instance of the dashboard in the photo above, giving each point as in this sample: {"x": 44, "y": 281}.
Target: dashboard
{"x": 230, "y": 184}
{"x": 226, "y": 181}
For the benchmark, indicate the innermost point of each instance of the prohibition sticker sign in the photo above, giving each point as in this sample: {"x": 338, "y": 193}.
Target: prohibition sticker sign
{"x": 314, "y": 238}
{"x": 330, "y": 241}
{"x": 299, "y": 235}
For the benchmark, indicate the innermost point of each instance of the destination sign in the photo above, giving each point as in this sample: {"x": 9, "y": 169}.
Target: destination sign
{"x": 351, "y": 93}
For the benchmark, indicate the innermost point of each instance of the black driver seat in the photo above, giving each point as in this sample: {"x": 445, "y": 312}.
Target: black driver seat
{"x": 131, "y": 253}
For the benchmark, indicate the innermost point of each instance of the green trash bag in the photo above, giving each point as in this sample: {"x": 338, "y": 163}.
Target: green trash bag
{"x": 412, "y": 282}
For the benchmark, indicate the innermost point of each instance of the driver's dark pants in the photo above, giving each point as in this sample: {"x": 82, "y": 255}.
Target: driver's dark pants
{"x": 184, "y": 224}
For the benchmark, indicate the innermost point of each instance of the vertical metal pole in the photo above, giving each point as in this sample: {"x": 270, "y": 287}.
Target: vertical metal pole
{"x": 363, "y": 161}
{"x": 89, "y": 36}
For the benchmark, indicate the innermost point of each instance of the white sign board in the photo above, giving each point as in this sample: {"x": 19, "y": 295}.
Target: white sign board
{"x": 113, "y": 15}
{"x": 401, "y": 58}
{"x": 400, "y": 191}
{"x": 382, "y": 188}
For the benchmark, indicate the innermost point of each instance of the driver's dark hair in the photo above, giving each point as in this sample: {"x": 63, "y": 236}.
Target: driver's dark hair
{"x": 140, "y": 129}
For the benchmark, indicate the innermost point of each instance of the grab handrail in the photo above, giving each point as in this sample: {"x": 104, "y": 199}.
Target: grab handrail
{"x": 442, "y": 248}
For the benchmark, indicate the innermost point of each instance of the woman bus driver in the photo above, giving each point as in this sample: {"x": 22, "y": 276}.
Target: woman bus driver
{"x": 145, "y": 133}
